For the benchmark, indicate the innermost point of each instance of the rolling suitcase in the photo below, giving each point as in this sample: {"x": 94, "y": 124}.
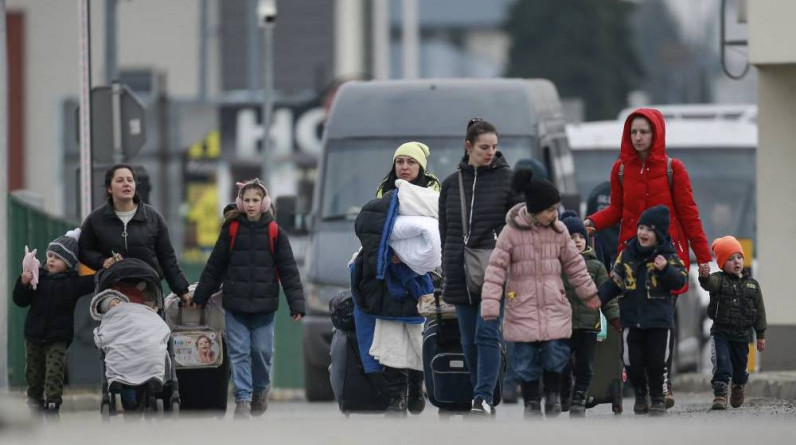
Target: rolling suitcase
{"x": 445, "y": 370}
{"x": 202, "y": 364}
{"x": 606, "y": 385}
{"x": 354, "y": 390}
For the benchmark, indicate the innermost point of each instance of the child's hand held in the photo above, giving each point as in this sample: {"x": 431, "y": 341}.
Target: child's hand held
{"x": 659, "y": 262}
{"x": 761, "y": 344}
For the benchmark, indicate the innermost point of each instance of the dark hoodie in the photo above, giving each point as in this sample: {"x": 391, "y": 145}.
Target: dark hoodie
{"x": 645, "y": 294}
{"x": 493, "y": 199}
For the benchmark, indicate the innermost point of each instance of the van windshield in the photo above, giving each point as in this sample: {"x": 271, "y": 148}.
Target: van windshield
{"x": 723, "y": 182}
{"x": 355, "y": 167}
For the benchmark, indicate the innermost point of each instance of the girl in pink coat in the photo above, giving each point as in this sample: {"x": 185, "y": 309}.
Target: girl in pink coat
{"x": 530, "y": 254}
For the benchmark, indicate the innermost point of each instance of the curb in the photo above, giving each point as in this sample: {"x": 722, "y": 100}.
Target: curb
{"x": 775, "y": 385}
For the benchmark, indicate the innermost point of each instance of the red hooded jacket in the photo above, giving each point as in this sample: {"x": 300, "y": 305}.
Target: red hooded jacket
{"x": 645, "y": 185}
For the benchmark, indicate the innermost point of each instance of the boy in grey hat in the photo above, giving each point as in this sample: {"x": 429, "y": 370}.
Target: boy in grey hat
{"x": 51, "y": 292}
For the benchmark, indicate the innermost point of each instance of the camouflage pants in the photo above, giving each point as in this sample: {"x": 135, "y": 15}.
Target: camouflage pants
{"x": 45, "y": 364}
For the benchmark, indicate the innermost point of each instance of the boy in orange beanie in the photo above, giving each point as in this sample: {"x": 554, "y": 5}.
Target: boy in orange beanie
{"x": 736, "y": 307}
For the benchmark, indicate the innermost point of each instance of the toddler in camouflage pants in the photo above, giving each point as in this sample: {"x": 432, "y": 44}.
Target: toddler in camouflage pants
{"x": 51, "y": 293}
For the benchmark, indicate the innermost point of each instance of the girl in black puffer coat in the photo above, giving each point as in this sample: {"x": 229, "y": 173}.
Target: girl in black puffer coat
{"x": 488, "y": 196}
{"x": 252, "y": 258}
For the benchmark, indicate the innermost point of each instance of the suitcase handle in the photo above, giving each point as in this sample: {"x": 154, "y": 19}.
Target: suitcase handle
{"x": 201, "y": 314}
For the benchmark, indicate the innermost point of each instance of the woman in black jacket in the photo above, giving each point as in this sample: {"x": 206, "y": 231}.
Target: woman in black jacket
{"x": 488, "y": 197}
{"x": 126, "y": 227}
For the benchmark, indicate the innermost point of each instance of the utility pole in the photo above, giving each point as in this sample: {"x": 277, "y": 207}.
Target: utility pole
{"x": 203, "y": 19}
{"x": 411, "y": 38}
{"x": 111, "y": 65}
{"x": 3, "y": 199}
{"x": 266, "y": 14}
{"x": 84, "y": 20}
{"x": 381, "y": 39}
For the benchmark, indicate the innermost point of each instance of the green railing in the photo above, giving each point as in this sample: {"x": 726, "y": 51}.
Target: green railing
{"x": 34, "y": 228}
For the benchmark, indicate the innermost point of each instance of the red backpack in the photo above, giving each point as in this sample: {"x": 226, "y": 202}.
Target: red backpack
{"x": 273, "y": 234}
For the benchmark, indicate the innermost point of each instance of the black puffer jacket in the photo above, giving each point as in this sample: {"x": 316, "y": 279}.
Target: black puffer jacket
{"x": 52, "y": 305}
{"x": 371, "y": 294}
{"x": 493, "y": 199}
{"x": 248, "y": 272}
{"x": 645, "y": 294}
{"x": 147, "y": 239}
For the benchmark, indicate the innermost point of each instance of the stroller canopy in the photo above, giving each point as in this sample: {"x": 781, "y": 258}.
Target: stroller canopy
{"x": 127, "y": 275}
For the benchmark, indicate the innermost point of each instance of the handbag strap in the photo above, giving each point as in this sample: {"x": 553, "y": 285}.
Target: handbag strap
{"x": 465, "y": 227}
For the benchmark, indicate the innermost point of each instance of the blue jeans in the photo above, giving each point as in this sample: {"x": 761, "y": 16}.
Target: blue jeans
{"x": 481, "y": 346}
{"x": 729, "y": 359}
{"x": 250, "y": 344}
{"x": 532, "y": 359}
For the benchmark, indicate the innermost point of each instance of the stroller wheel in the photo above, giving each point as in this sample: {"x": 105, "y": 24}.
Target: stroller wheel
{"x": 105, "y": 411}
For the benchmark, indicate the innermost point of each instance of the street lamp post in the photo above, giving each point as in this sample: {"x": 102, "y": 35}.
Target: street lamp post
{"x": 266, "y": 15}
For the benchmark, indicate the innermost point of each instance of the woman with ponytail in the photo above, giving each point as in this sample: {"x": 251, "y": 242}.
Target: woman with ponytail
{"x": 536, "y": 247}
{"x": 485, "y": 177}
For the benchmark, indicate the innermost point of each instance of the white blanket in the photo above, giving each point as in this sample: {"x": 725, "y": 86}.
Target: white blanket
{"x": 414, "y": 200}
{"x": 134, "y": 340}
{"x": 398, "y": 345}
{"x": 416, "y": 241}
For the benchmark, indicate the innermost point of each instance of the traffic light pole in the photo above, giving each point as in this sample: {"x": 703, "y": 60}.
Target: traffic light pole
{"x": 266, "y": 14}
{"x": 85, "y": 108}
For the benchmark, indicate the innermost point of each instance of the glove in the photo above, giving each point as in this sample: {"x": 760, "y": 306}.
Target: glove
{"x": 616, "y": 324}
{"x": 32, "y": 264}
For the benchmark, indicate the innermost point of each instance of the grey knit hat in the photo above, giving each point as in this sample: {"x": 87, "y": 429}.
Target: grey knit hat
{"x": 65, "y": 248}
{"x": 101, "y": 302}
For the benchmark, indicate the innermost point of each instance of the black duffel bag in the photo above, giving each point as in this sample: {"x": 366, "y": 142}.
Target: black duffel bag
{"x": 341, "y": 309}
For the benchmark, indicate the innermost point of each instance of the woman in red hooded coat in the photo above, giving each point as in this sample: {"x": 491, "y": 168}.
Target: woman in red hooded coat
{"x": 645, "y": 183}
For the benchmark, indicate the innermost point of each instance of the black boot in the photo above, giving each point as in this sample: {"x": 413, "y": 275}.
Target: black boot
{"x": 416, "y": 401}
{"x": 658, "y": 405}
{"x": 552, "y": 394}
{"x": 641, "y": 406}
{"x": 578, "y": 408}
{"x": 719, "y": 396}
{"x": 532, "y": 398}
{"x": 566, "y": 392}
{"x": 397, "y": 387}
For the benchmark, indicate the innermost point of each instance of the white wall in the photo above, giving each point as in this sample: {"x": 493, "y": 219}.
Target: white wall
{"x": 771, "y": 31}
{"x": 151, "y": 34}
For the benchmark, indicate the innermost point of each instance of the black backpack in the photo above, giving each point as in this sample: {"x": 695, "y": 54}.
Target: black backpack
{"x": 341, "y": 309}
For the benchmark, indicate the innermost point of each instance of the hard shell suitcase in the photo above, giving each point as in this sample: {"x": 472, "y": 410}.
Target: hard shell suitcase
{"x": 354, "y": 390}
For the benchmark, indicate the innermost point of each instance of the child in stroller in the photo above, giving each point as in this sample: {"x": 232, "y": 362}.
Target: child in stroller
{"x": 134, "y": 339}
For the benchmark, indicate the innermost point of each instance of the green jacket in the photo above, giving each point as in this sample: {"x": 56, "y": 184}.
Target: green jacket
{"x": 736, "y": 304}
{"x": 584, "y": 318}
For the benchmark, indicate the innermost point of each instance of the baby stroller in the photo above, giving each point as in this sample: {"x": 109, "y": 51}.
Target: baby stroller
{"x": 137, "y": 281}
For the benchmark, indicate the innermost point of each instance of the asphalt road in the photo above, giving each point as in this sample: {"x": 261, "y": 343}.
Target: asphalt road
{"x": 760, "y": 421}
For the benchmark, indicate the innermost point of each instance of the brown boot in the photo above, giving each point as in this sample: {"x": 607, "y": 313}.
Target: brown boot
{"x": 669, "y": 396}
{"x": 736, "y": 396}
{"x": 719, "y": 396}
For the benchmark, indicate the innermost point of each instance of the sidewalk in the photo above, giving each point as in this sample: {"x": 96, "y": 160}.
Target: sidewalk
{"x": 774, "y": 384}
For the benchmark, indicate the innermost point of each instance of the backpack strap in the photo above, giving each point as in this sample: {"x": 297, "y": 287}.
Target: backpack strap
{"x": 273, "y": 235}
{"x": 233, "y": 233}
{"x": 669, "y": 172}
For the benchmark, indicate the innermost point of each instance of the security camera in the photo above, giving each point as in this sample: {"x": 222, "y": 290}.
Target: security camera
{"x": 266, "y": 12}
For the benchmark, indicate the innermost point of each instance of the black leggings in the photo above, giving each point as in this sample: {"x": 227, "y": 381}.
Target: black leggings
{"x": 645, "y": 353}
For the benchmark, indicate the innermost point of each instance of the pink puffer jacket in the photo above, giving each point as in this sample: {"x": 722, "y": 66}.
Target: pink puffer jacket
{"x": 532, "y": 256}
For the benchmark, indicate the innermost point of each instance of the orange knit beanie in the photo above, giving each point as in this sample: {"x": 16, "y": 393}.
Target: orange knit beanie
{"x": 724, "y": 247}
